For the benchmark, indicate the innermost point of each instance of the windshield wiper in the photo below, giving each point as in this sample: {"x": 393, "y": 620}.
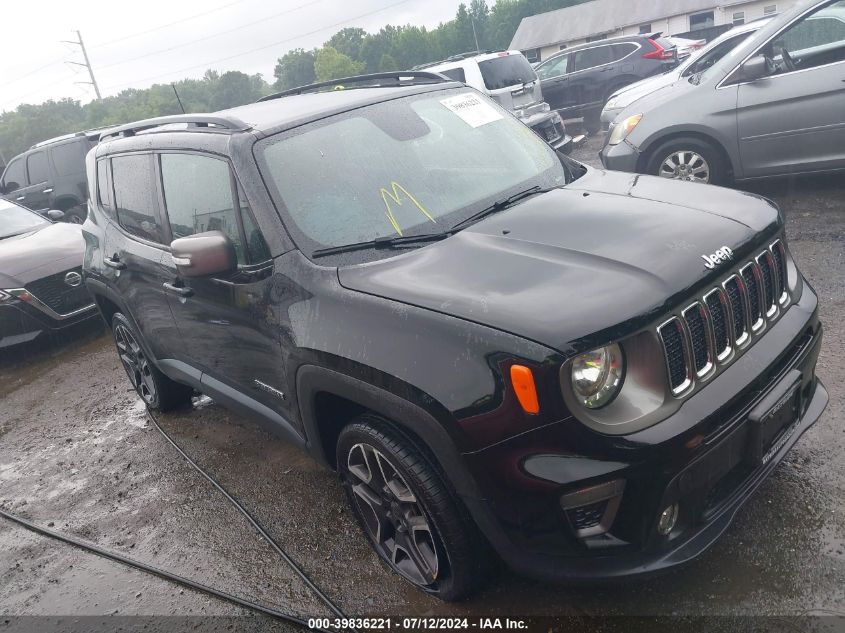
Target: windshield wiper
{"x": 500, "y": 205}
{"x": 381, "y": 242}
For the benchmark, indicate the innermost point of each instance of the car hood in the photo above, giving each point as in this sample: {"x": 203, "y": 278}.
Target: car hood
{"x": 639, "y": 89}
{"x": 51, "y": 249}
{"x": 578, "y": 266}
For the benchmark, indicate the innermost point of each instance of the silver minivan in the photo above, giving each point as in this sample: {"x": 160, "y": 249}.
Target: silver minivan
{"x": 773, "y": 106}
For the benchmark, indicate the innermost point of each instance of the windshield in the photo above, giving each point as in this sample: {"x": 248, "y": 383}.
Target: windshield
{"x": 506, "y": 71}
{"x": 407, "y": 166}
{"x": 15, "y": 219}
{"x": 713, "y": 53}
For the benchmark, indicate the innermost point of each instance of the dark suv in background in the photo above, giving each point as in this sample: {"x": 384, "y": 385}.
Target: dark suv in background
{"x": 578, "y": 81}
{"x": 493, "y": 345}
{"x": 51, "y": 175}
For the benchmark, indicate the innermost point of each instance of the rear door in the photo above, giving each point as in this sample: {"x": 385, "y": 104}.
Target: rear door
{"x": 136, "y": 252}
{"x": 228, "y": 326}
{"x": 794, "y": 119}
{"x": 592, "y": 74}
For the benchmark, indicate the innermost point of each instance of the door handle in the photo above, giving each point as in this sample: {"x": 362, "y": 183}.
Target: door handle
{"x": 114, "y": 262}
{"x": 48, "y": 190}
{"x": 179, "y": 291}
{"x": 19, "y": 198}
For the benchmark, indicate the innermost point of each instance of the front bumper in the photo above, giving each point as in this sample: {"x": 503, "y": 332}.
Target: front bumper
{"x": 21, "y": 323}
{"x": 658, "y": 466}
{"x": 620, "y": 157}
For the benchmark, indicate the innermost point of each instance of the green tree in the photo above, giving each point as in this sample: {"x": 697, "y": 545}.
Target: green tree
{"x": 332, "y": 65}
{"x": 348, "y": 41}
{"x": 387, "y": 64}
{"x": 295, "y": 68}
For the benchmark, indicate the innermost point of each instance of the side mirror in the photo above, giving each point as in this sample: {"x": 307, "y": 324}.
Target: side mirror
{"x": 55, "y": 215}
{"x": 756, "y": 68}
{"x": 203, "y": 254}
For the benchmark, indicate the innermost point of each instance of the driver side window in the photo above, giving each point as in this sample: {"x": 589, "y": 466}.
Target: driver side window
{"x": 554, "y": 68}
{"x": 815, "y": 40}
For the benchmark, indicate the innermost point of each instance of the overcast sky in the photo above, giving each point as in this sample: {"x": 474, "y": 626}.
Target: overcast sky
{"x": 127, "y": 42}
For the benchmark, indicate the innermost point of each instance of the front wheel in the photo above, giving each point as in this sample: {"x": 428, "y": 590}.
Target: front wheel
{"x": 408, "y": 513}
{"x": 155, "y": 389}
{"x": 689, "y": 159}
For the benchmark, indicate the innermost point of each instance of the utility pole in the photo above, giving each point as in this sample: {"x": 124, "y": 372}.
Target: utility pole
{"x": 87, "y": 63}
{"x": 474, "y": 35}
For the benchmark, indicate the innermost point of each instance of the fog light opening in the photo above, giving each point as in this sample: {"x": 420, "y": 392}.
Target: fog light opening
{"x": 668, "y": 519}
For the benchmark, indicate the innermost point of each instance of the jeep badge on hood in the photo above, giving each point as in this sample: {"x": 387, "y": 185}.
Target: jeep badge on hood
{"x": 714, "y": 259}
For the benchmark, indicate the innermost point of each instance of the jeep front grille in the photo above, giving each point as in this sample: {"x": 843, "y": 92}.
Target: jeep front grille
{"x": 707, "y": 332}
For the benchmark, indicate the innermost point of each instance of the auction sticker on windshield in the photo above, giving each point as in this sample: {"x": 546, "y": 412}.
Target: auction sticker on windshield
{"x": 472, "y": 109}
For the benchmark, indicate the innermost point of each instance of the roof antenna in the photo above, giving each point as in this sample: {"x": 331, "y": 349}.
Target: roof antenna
{"x": 173, "y": 85}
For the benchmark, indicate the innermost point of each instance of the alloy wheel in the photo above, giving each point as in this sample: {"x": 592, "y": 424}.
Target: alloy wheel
{"x": 135, "y": 363}
{"x": 685, "y": 165}
{"x": 394, "y": 519}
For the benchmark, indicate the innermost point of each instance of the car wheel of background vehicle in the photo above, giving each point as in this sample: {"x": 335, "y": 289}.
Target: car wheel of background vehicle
{"x": 413, "y": 520}
{"x": 592, "y": 122}
{"x": 690, "y": 159}
{"x": 156, "y": 390}
{"x": 75, "y": 215}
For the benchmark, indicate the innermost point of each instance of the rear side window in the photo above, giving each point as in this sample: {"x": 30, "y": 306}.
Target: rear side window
{"x": 592, "y": 57}
{"x": 135, "y": 196}
{"x": 69, "y": 158}
{"x": 198, "y": 197}
{"x": 621, "y": 51}
{"x": 14, "y": 178}
{"x": 457, "y": 74}
{"x": 36, "y": 166}
{"x": 104, "y": 193}
{"x": 506, "y": 71}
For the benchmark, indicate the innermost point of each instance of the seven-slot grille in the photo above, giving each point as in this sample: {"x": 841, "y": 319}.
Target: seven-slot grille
{"x": 707, "y": 331}
{"x": 61, "y": 298}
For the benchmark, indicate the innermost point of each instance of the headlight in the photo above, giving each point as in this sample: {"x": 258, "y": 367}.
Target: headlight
{"x": 597, "y": 375}
{"x": 622, "y": 129}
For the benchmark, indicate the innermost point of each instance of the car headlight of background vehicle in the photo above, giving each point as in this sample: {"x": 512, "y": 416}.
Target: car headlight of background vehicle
{"x": 622, "y": 129}
{"x": 597, "y": 375}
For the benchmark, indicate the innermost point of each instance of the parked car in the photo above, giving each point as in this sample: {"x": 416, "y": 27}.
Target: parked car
{"x": 41, "y": 289}
{"x": 51, "y": 175}
{"x": 578, "y": 81}
{"x": 771, "y": 107}
{"x": 508, "y": 78}
{"x": 698, "y": 62}
{"x": 494, "y": 345}
{"x": 685, "y": 46}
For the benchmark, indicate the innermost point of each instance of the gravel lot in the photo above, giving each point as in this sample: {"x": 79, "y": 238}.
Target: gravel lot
{"x": 77, "y": 453}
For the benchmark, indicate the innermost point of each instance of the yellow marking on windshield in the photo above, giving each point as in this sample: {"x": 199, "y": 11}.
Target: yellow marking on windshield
{"x": 396, "y": 189}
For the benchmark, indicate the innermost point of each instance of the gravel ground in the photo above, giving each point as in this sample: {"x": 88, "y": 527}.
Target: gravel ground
{"x": 78, "y": 454}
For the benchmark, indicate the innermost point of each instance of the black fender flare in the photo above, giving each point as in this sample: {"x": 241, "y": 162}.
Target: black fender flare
{"x": 313, "y": 379}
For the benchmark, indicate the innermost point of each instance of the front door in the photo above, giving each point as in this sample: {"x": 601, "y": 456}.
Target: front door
{"x": 554, "y": 80}
{"x": 228, "y": 323}
{"x": 794, "y": 119}
{"x": 40, "y": 184}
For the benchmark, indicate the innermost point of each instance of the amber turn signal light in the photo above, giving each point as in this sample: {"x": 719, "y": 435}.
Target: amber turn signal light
{"x": 523, "y": 383}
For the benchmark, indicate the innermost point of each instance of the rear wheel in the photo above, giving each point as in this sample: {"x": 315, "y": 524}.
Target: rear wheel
{"x": 76, "y": 215}
{"x": 689, "y": 159}
{"x": 155, "y": 389}
{"x": 413, "y": 521}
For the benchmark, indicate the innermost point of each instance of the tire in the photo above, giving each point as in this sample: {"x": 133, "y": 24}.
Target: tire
{"x": 154, "y": 388}
{"x": 415, "y": 500}
{"x": 76, "y": 215}
{"x": 694, "y": 151}
{"x": 592, "y": 122}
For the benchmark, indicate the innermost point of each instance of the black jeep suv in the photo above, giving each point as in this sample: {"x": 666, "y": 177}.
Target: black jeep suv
{"x": 483, "y": 337}
{"x": 51, "y": 175}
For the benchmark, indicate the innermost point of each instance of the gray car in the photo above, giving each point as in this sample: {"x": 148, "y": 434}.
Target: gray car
{"x": 773, "y": 106}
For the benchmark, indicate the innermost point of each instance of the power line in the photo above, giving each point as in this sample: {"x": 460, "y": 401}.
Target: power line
{"x": 164, "y": 26}
{"x": 213, "y": 35}
{"x": 260, "y": 48}
{"x": 36, "y": 70}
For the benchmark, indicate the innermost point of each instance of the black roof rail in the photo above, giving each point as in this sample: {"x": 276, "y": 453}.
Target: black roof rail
{"x": 374, "y": 80}
{"x": 202, "y": 122}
